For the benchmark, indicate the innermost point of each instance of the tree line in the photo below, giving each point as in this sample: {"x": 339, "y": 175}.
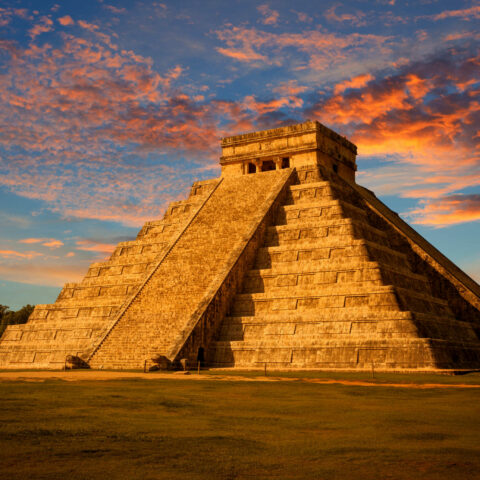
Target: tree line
{"x": 9, "y": 317}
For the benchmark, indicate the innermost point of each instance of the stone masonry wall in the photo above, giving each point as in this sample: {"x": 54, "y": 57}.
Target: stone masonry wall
{"x": 161, "y": 311}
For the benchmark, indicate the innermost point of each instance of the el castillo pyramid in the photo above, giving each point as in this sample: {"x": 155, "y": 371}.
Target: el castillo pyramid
{"x": 284, "y": 261}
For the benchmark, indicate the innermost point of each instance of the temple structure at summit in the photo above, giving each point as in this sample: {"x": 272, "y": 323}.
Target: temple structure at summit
{"x": 283, "y": 261}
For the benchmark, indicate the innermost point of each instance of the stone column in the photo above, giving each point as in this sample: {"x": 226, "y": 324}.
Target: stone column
{"x": 278, "y": 163}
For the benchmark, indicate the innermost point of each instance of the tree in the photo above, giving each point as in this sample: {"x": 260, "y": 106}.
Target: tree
{"x": 9, "y": 317}
{"x": 4, "y": 310}
{"x": 21, "y": 316}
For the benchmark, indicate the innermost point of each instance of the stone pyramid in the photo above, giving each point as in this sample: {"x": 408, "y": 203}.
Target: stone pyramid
{"x": 284, "y": 261}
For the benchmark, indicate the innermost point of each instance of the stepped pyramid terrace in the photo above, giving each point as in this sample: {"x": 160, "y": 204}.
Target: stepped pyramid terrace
{"x": 284, "y": 261}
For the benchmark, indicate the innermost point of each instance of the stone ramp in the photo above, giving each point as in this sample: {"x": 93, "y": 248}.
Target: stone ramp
{"x": 83, "y": 312}
{"x": 164, "y": 314}
{"x": 333, "y": 287}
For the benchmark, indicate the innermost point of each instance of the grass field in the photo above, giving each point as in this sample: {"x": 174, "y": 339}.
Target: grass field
{"x": 210, "y": 429}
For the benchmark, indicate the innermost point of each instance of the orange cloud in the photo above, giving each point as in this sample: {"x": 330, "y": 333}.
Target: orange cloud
{"x": 88, "y": 26}
{"x": 66, "y": 20}
{"x": 356, "y": 82}
{"x": 425, "y": 121}
{"x": 449, "y": 210}
{"x": 15, "y": 254}
{"x": 320, "y": 49}
{"x": 40, "y": 274}
{"x": 32, "y": 240}
{"x": 354, "y": 19}
{"x": 260, "y": 108}
{"x": 114, "y": 9}
{"x": 91, "y": 246}
{"x": 303, "y": 17}
{"x": 270, "y": 17}
{"x": 44, "y": 26}
{"x": 245, "y": 55}
{"x": 53, "y": 243}
{"x": 289, "y": 88}
{"x": 465, "y": 14}
{"x": 46, "y": 242}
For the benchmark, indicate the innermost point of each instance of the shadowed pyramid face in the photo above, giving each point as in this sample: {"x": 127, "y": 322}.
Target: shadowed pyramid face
{"x": 282, "y": 261}
{"x": 306, "y": 144}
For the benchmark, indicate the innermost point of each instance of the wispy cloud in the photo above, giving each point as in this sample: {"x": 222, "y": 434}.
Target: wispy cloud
{"x": 46, "y": 242}
{"x": 447, "y": 210}
{"x": 15, "y": 254}
{"x": 40, "y": 274}
{"x": 94, "y": 246}
{"x": 357, "y": 18}
{"x": 44, "y": 25}
{"x": 464, "y": 14}
{"x": 270, "y": 17}
{"x": 114, "y": 9}
{"x": 319, "y": 49}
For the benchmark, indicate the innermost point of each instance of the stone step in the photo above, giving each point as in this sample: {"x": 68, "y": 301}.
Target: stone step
{"x": 243, "y": 328}
{"x": 334, "y": 353}
{"x": 336, "y": 290}
{"x": 304, "y": 193}
{"x": 347, "y": 264}
{"x": 87, "y": 291}
{"x": 131, "y": 259}
{"x": 121, "y": 266}
{"x": 335, "y": 251}
{"x": 98, "y": 301}
{"x": 134, "y": 248}
{"x": 325, "y": 314}
{"x": 112, "y": 280}
{"x": 321, "y": 265}
{"x": 317, "y": 234}
{"x": 51, "y": 339}
{"x": 322, "y": 209}
{"x": 339, "y": 223}
{"x": 260, "y": 303}
{"x": 66, "y": 323}
{"x": 361, "y": 297}
{"x": 167, "y": 226}
{"x": 307, "y": 273}
{"x": 357, "y": 354}
{"x": 55, "y": 311}
{"x": 308, "y": 284}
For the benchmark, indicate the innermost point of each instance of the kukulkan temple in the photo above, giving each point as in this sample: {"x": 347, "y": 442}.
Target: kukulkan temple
{"x": 283, "y": 262}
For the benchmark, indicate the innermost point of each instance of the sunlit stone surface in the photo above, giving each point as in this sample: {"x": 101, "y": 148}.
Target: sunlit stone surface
{"x": 283, "y": 261}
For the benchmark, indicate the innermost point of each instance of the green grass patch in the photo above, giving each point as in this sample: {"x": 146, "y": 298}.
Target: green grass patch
{"x": 183, "y": 429}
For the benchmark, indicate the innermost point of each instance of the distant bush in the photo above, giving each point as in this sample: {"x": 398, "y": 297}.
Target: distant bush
{"x": 9, "y": 317}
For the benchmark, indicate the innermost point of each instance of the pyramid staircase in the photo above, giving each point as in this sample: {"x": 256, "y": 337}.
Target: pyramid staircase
{"x": 331, "y": 290}
{"x": 83, "y": 312}
{"x": 282, "y": 262}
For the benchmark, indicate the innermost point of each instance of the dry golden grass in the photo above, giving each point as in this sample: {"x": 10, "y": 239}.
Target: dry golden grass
{"x": 184, "y": 429}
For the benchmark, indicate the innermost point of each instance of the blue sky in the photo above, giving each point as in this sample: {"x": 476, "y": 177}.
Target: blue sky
{"x": 110, "y": 110}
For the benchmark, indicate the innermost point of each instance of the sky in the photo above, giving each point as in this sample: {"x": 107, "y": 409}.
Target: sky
{"x": 111, "y": 110}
